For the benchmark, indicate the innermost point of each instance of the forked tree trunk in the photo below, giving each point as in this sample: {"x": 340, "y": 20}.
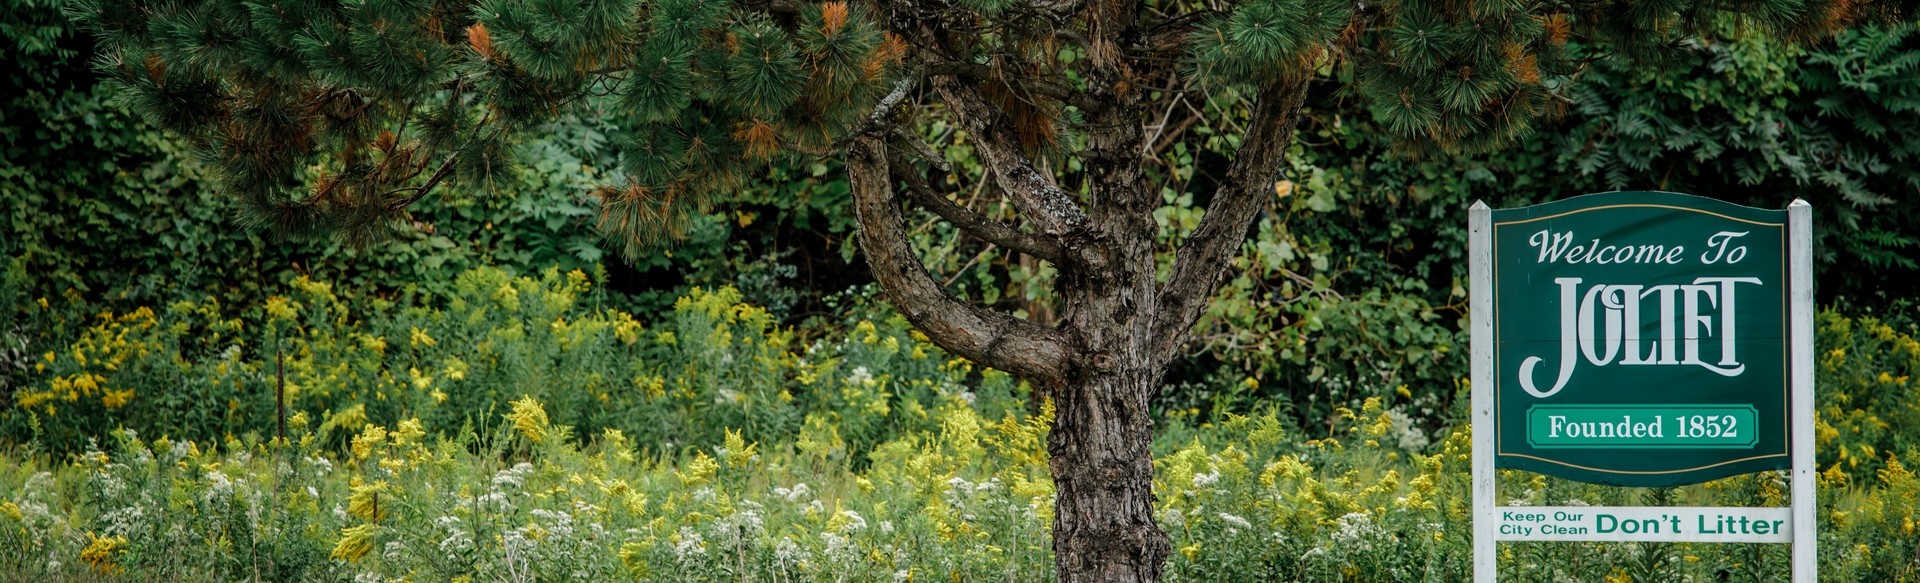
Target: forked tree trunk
{"x": 1117, "y": 325}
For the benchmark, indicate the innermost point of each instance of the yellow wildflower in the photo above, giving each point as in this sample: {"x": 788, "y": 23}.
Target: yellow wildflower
{"x": 100, "y": 553}
{"x": 364, "y": 443}
{"x": 364, "y": 500}
{"x": 456, "y": 369}
{"x": 530, "y": 418}
{"x": 117, "y": 399}
{"x": 86, "y": 383}
{"x": 421, "y": 381}
{"x": 613, "y": 438}
{"x": 356, "y": 542}
{"x": 634, "y": 556}
{"x": 421, "y": 338}
{"x": 699, "y": 471}
{"x": 738, "y": 451}
{"x": 280, "y": 308}
{"x": 408, "y": 432}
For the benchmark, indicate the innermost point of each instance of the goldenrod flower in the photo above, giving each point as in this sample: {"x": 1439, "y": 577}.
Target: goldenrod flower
{"x": 356, "y": 542}
{"x": 699, "y": 471}
{"x": 456, "y": 369}
{"x": 408, "y": 432}
{"x": 100, "y": 553}
{"x": 530, "y": 418}
{"x": 738, "y": 451}
{"x": 364, "y": 443}
{"x": 117, "y": 399}
{"x": 364, "y": 500}
{"x": 421, "y": 381}
{"x": 280, "y": 308}
{"x": 634, "y": 556}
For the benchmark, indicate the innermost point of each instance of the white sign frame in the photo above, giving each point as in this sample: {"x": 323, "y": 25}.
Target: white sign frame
{"x": 1490, "y": 519}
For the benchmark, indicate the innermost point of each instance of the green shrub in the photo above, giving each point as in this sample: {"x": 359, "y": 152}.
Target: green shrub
{"x": 968, "y": 498}
{"x": 205, "y": 370}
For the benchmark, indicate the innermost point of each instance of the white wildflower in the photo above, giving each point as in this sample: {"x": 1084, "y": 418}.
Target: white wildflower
{"x": 395, "y": 550}
{"x": 1354, "y": 526}
{"x": 854, "y": 521}
{"x": 1235, "y": 521}
{"x": 690, "y": 545}
{"x": 788, "y": 554}
{"x": 1411, "y": 437}
{"x": 797, "y": 493}
{"x": 321, "y": 467}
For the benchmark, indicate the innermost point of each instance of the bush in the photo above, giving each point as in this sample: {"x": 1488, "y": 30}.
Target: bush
{"x": 967, "y": 498}
{"x": 204, "y": 370}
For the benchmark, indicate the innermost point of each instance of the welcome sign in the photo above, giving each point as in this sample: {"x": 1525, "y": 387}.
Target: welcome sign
{"x": 1642, "y": 339}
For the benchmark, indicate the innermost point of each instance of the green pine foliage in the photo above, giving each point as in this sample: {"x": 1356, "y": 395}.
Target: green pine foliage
{"x": 335, "y": 116}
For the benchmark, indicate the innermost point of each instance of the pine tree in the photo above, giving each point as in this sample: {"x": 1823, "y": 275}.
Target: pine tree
{"x": 334, "y": 116}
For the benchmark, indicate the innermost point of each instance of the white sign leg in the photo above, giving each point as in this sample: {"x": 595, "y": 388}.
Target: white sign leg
{"x": 1800, "y": 314}
{"x": 1480, "y": 316}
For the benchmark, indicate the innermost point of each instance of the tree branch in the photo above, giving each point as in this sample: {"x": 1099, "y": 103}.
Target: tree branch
{"x": 980, "y": 227}
{"x": 1041, "y": 87}
{"x": 1050, "y": 208}
{"x": 1200, "y": 265}
{"x": 1172, "y": 34}
{"x": 1033, "y": 352}
{"x": 419, "y": 192}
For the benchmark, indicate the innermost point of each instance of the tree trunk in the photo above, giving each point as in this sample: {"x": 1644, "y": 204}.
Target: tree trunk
{"x": 1117, "y": 326}
{"x": 1103, "y": 527}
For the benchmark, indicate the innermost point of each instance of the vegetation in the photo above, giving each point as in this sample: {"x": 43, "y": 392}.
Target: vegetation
{"x": 720, "y": 448}
{"x": 475, "y": 382}
{"x": 335, "y": 118}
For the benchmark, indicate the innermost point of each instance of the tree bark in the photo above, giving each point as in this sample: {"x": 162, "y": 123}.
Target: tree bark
{"x": 1103, "y": 526}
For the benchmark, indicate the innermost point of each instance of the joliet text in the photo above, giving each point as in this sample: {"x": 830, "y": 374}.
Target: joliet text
{"x": 1601, "y": 322}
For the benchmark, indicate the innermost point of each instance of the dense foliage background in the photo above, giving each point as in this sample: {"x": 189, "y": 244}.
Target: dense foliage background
{"x": 1333, "y": 359}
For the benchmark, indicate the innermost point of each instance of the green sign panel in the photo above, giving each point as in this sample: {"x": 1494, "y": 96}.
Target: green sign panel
{"x": 1640, "y": 339}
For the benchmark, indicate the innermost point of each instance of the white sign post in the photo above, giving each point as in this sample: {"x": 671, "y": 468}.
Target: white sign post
{"x": 1792, "y": 524}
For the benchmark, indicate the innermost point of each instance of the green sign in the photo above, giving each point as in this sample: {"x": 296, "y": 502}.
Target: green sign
{"x": 1640, "y": 339}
